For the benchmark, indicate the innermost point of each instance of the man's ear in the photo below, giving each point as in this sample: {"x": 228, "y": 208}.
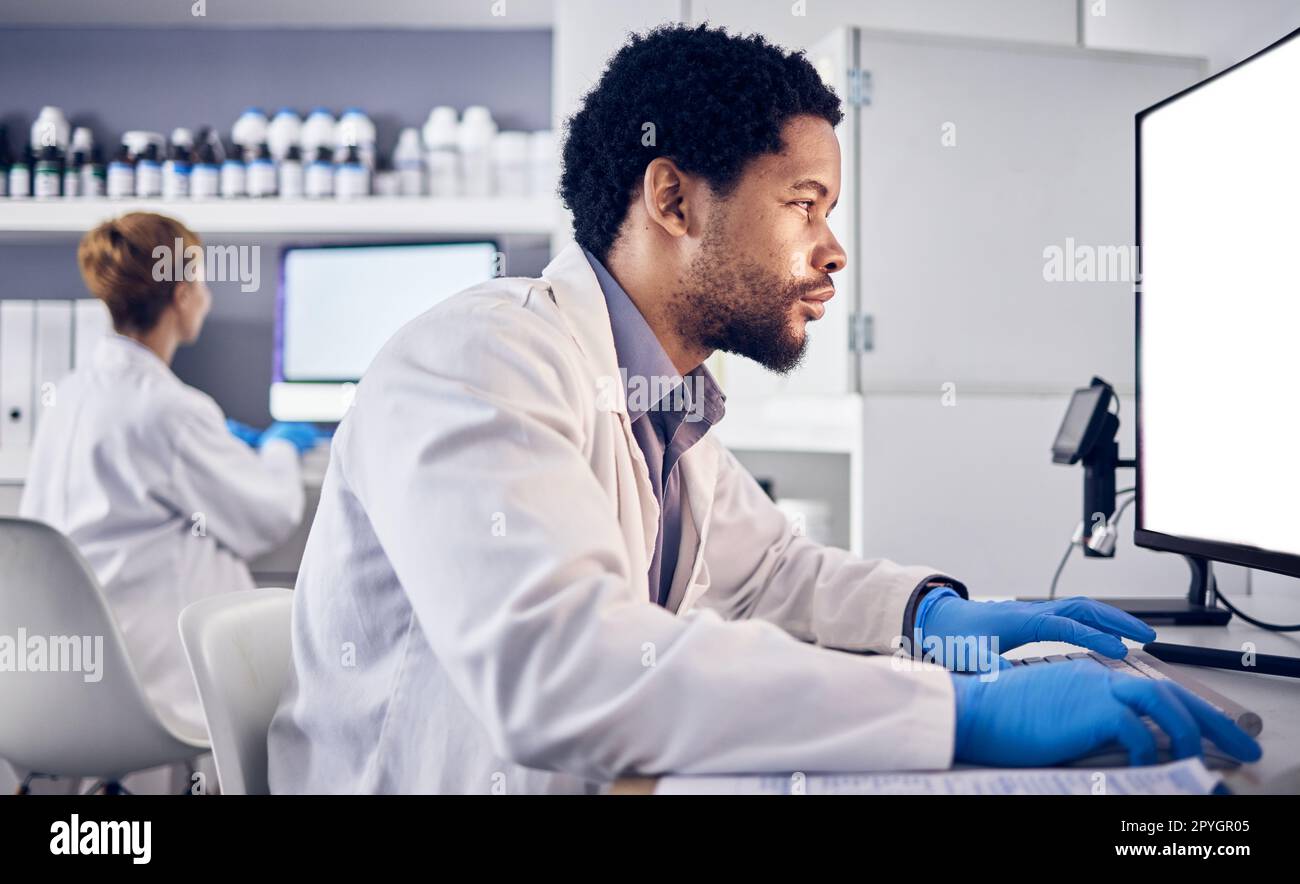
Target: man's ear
{"x": 664, "y": 195}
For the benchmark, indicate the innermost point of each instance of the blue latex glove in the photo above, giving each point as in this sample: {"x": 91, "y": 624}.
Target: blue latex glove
{"x": 243, "y": 432}
{"x": 1078, "y": 620}
{"x": 303, "y": 436}
{"x": 1048, "y": 714}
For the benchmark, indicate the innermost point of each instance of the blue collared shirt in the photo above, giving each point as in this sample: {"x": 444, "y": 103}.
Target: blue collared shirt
{"x": 669, "y": 414}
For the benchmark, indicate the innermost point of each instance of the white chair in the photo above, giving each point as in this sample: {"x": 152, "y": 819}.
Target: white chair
{"x": 239, "y": 651}
{"x": 64, "y": 722}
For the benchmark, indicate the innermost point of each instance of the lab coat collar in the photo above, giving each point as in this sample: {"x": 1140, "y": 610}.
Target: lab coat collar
{"x": 117, "y": 350}
{"x": 578, "y": 294}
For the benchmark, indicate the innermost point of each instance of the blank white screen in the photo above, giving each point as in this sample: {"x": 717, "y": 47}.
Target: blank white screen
{"x": 342, "y": 304}
{"x": 1220, "y": 362}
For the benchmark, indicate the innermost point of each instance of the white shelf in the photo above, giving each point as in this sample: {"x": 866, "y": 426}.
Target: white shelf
{"x": 368, "y": 215}
{"x": 825, "y": 424}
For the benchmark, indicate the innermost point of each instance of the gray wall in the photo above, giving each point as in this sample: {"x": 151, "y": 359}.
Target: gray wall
{"x": 114, "y": 79}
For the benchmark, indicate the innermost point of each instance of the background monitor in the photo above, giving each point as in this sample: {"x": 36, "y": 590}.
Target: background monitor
{"x": 1218, "y": 364}
{"x": 339, "y": 304}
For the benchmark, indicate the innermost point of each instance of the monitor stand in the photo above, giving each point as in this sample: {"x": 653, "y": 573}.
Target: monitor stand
{"x": 1192, "y": 610}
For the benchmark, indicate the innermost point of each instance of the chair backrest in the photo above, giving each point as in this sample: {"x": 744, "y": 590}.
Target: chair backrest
{"x": 71, "y": 702}
{"x": 238, "y": 646}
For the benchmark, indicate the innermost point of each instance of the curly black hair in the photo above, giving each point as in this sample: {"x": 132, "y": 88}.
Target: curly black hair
{"x": 716, "y": 101}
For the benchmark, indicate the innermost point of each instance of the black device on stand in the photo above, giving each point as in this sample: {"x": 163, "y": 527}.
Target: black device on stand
{"x": 1087, "y": 436}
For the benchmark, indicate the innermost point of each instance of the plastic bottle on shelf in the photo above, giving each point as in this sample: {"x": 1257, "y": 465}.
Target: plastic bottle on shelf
{"x": 94, "y": 176}
{"x": 79, "y": 155}
{"x": 543, "y": 173}
{"x": 318, "y": 177}
{"x": 355, "y": 128}
{"x": 352, "y": 178}
{"x": 82, "y": 139}
{"x": 72, "y": 173}
{"x": 284, "y": 132}
{"x": 261, "y": 172}
{"x": 120, "y": 177}
{"x": 409, "y": 164}
{"x": 234, "y": 175}
{"x": 178, "y": 168}
{"x": 20, "y": 175}
{"x": 441, "y": 153}
{"x": 475, "y": 137}
{"x": 291, "y": 174}
{"x": 317, "y": 132}
{"x": 510, "y": 164}
{"x": 205, "y": 177}
{"x": 148, "y": 173}
{"x": 47, "y": 173}
{"x": 50, "y": 129}
{"x": 249, "y": 131}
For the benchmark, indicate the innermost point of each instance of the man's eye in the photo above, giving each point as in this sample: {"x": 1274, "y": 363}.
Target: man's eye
{"x": 806, "y": 205}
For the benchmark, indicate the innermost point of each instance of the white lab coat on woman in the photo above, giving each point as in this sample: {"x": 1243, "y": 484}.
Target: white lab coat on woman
{"x": 142, "y": 475}
{"x": 472, "y": 613}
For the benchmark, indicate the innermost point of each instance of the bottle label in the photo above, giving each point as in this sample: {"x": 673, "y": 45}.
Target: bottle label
{"x": 233, "y": 181}
{"x": 205, "y": 182}
{"x": 148, "y": 180}
{"x": 46, "y": 183}
{"x": 319, "y": 180}
{"x": 121, "y": 180}
{"x": 20, "y": 183}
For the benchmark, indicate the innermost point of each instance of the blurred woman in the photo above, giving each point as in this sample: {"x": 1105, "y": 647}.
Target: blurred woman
{"x": 140, "y": 470}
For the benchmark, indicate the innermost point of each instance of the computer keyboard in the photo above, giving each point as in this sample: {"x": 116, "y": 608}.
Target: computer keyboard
{"x": 1140, "y": 664}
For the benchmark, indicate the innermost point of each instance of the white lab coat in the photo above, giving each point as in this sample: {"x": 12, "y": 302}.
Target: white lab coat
{"x": 141, "y": 473}
{"x": 472, "y": 613}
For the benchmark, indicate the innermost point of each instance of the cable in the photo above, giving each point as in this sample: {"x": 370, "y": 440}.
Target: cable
{"x": 1114, "y": 523}
{"x": 1271, "y": 627}
{"x": 1051, "y": 594}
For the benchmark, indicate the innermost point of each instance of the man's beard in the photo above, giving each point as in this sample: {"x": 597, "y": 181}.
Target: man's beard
{"x": 740, "y": 307}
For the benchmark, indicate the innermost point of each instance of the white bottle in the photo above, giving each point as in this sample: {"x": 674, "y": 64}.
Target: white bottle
{"x": 82, "y": 140}
{"x": 148, "y": 173}
{"x": 94, "y": 175}
{"x": 355, "y": 128}
{"x": 234, "y": 175}
{"x": 20, "y": 175}
{"x": 441, "y": 153}
{"x": 119, "y": 179}
{"x": 408, "y": 164}
{"x": 510, "y": 164}
{"x": 50, "y": 129}
{"x": 261, "y": 173}
{"x": 177, "y": 169}
{"x": 79, "y": 171}
{"x": 249, "y": 131}
{"x": 284, "y": 132}
{"x": 543, "y": 171}
{"x": 291, "y": 176}
{"x": 72, "y": 173}
{"x": 476, "y": 134}
{"x": 352, "y": 178}
{"x": 317, "y": 132}
{"x": 205, "y": 176}
{"x": 318, "y": 177}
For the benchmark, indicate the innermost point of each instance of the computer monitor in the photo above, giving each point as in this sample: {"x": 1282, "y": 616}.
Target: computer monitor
{"x": 1218, "y": 317}
{"x": 338, "y": 304}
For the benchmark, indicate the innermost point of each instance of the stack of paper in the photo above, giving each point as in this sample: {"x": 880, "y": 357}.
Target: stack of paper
{"x": 1186, "y": 777}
